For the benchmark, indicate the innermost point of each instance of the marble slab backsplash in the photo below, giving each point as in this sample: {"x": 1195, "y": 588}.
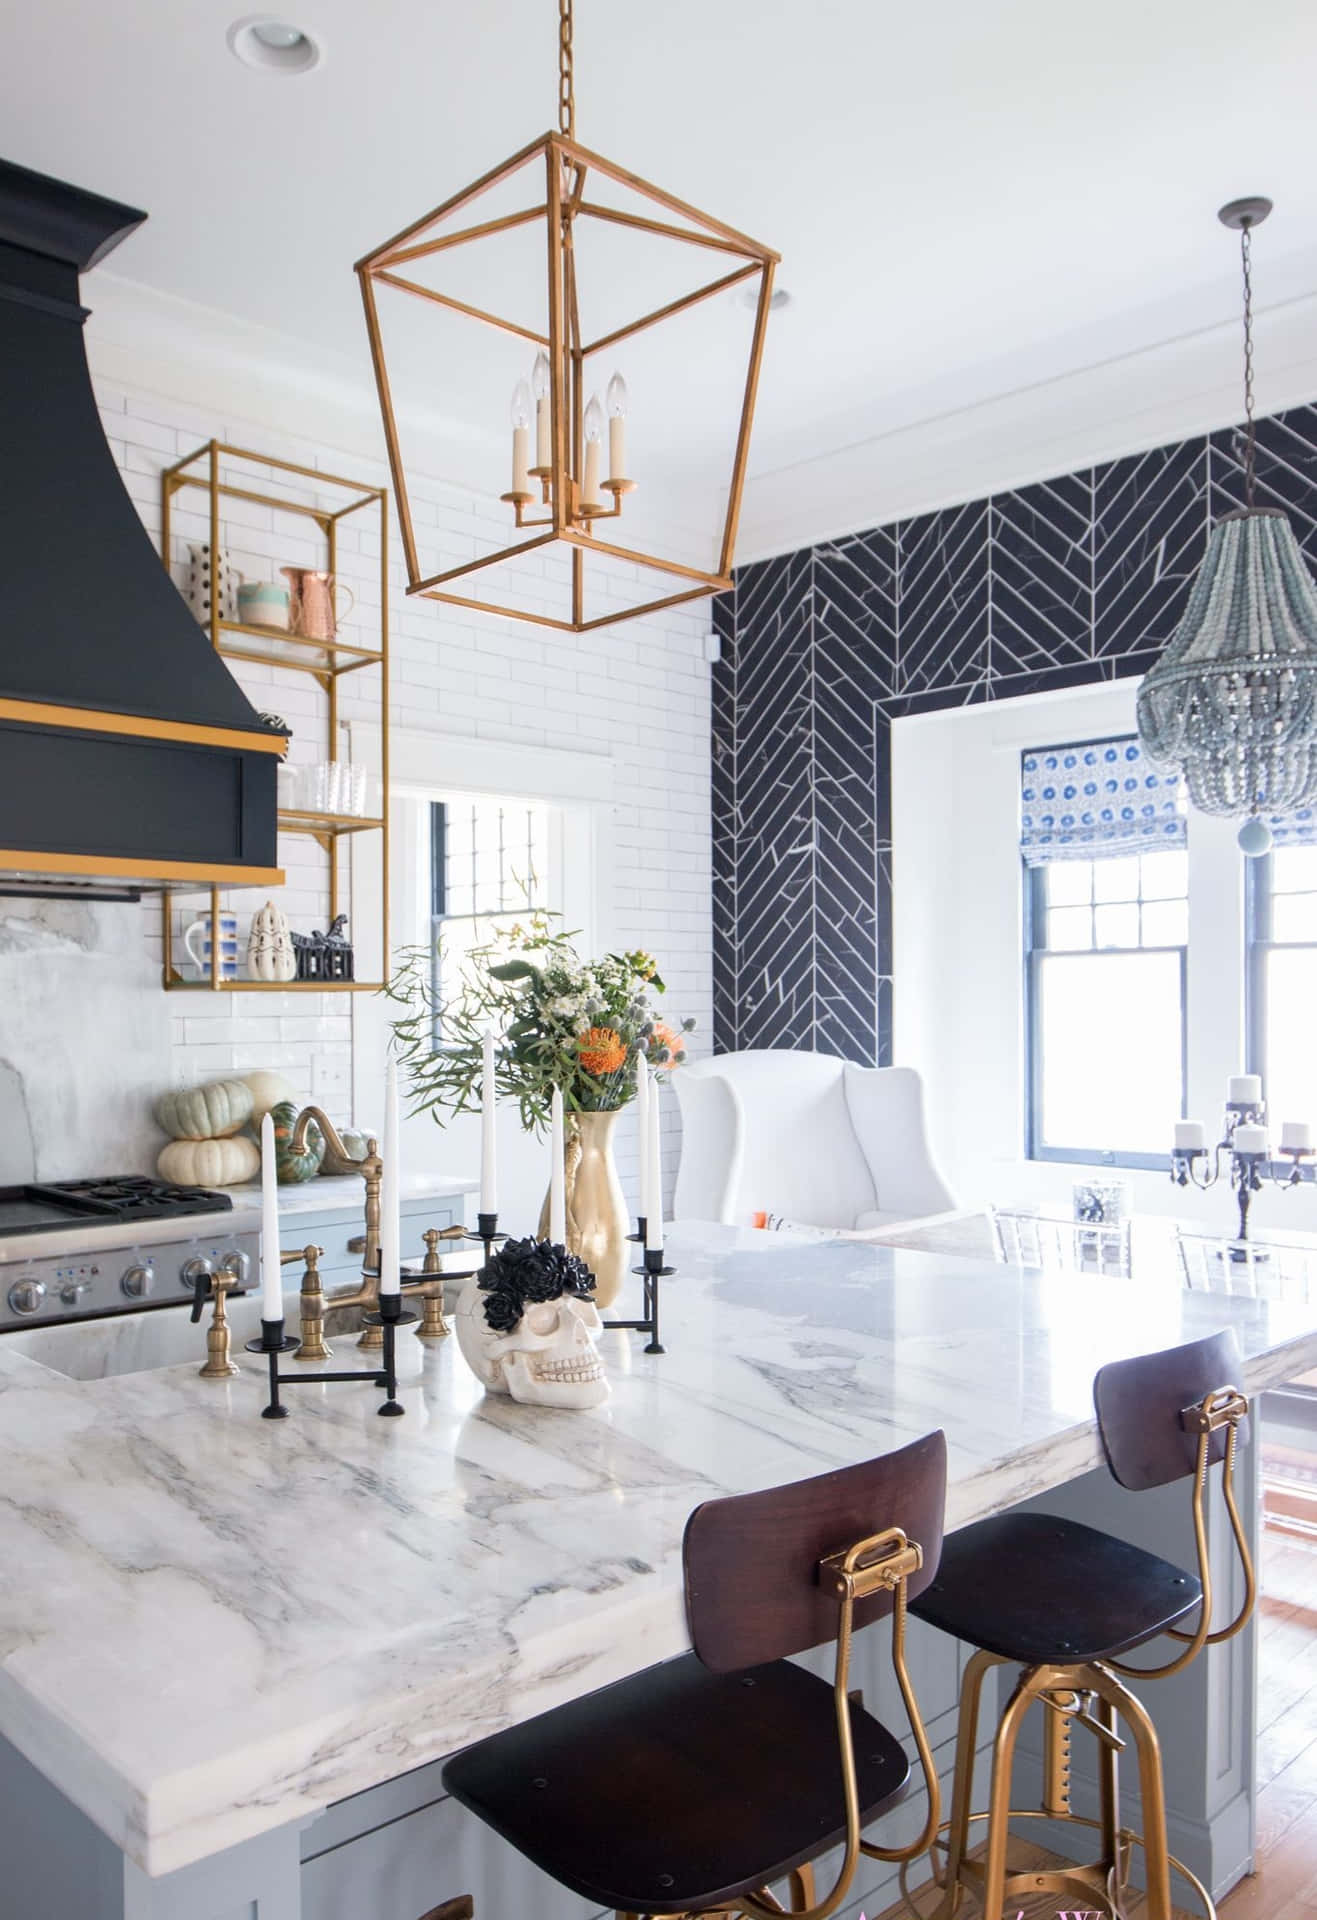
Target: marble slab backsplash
{"x": 84, "y": 1041}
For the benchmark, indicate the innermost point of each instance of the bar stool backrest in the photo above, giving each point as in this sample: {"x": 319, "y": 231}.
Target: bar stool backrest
{"x": 753, "y": 1592}
{"x": 1140, "y": 1402}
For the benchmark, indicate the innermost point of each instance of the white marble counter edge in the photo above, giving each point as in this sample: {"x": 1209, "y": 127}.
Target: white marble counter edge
{"x": 177, "y": 1819}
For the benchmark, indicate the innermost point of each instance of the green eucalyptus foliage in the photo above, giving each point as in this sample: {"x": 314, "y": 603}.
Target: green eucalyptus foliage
{"x": 532, "y": 988}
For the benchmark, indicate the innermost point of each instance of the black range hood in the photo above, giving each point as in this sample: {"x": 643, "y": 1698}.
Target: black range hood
{"x": 128, "y": 752}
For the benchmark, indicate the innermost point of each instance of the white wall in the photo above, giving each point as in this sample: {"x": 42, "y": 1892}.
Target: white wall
{"x": 636, "y": 697}
{"x": 958, "y": 960}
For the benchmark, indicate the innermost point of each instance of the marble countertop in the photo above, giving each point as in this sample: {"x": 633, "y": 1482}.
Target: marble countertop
{"x": 212, "y": 1624}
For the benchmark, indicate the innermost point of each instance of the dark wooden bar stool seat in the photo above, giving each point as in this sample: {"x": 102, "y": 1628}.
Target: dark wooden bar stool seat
{"x": 673, "y": 1790}
{"x": 1063, "y": 1601}
{"x": 692, "y": 1787}
{"x": 1032, "y": 1588}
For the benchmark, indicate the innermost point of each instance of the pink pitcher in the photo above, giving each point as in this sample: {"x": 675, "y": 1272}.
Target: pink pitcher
{"x": 315, "y": 613}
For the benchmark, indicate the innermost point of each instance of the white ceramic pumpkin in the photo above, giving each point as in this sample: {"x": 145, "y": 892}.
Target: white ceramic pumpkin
{"x": 268, "y": 1089}
{"x": 270, "y": 952}
{"x": 205, "y": 1113}
{"x": 209, "y": 1163}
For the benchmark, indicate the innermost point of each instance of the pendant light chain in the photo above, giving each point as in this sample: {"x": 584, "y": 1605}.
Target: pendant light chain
{"x": 566, "y": 96}
{"x": 1250, "y": 435}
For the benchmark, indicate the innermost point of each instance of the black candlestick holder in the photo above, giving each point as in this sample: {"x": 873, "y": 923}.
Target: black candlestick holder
{"x": 273, "y": 1343}
{"x": 651, "y": 1271}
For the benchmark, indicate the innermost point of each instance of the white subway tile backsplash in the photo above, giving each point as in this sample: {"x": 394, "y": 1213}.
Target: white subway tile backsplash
{"x": 640, "y": 691}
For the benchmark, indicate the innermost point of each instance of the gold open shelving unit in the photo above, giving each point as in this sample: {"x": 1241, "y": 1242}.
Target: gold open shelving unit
{"x": 324, "y": 661}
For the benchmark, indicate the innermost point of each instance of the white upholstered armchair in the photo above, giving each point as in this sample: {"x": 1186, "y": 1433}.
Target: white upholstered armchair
{"x": 805, "y": 1136}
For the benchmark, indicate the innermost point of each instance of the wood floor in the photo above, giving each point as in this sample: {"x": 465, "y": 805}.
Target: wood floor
{"x": 1285, "y": 1884}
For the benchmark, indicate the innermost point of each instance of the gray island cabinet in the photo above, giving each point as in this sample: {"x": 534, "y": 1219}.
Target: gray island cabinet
{"x": 233, "y": 1653}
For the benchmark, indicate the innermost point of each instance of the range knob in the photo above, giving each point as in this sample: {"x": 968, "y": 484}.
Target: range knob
{"x": 197, "y": 1268}
{"x": 238, "y": 1264}
{"x": 138, "y": 1281}
{"x": 25, "y": 1296}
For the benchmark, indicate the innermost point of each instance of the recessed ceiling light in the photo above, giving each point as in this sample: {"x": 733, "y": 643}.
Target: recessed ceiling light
{"x": 264, "y": 40}
{"x": 779, "y": 298}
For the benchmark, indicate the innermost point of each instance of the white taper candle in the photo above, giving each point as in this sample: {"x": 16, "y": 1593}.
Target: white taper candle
{"x": 557, "y": 1173}
{"x": 390, "y": 1215}
{"x": 654, "y": 1190}
{"x": 488, "y": 1118}
{"x": 642, "y": 1130}
{"x": 272, "y": 1282}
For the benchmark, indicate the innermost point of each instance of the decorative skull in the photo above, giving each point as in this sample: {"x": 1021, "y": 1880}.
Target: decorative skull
{"x": 527, "y": 1327}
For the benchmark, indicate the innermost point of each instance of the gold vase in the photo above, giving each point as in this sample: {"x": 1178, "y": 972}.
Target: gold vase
{"x": 597, "y": 1219}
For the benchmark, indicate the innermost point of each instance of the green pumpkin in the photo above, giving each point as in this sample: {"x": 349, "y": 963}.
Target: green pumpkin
{"x": 211, "y": 1112}
{"x": 292, "y": 1168}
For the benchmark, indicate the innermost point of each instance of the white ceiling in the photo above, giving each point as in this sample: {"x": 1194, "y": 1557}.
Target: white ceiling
{"x": 996, "y": 221}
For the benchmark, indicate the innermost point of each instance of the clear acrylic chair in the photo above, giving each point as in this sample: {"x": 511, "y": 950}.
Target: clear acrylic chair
{"x": 1024, "y": 1239}
{"x": 1259, "y": 1269}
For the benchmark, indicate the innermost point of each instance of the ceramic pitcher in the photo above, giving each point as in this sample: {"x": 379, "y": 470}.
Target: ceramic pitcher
{"x": 315, "y": 611}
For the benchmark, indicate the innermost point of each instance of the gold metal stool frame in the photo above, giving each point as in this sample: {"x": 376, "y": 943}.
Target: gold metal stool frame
{"x": 1092, "y": 1695}
{"x": 885, "y": 1561}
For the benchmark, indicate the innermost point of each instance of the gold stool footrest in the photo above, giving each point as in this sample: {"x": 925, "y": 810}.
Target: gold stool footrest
{"x": 1092, "y": 1881}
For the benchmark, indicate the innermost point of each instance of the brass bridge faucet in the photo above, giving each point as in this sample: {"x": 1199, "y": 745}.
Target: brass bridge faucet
{"x": 315, "y": 1301}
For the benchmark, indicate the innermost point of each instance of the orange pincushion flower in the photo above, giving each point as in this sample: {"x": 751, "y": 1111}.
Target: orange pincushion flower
{"x": 665, "y": 1039}
{"x": 601, "y": 1050}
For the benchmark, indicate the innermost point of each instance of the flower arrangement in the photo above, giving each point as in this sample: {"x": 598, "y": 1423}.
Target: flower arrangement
{"x": 523, "y": 1272}
{"x": 580, "y": 1025}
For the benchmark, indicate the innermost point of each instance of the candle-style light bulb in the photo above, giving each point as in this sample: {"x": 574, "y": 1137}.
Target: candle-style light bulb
{"x": 520, "y": 411}
{"x": 618, "y": 401}
{"x": 539, "y": 381}
{"x": 593, "y": 425}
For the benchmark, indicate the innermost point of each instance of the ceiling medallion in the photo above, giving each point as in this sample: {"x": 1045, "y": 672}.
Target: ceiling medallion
{"x": 1233, "y": 700}
{"x": 569, "y": 480}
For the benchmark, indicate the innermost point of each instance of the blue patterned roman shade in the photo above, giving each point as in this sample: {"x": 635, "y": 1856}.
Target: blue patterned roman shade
{"x": 1297, "y": 829}
{"x": 1100, "y": 798}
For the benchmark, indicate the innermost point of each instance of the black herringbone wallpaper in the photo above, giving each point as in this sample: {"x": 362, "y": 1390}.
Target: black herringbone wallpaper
{"x": 1077, "y": 579}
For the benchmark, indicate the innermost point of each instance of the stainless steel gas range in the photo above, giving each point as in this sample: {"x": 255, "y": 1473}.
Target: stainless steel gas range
{"x": 84, "y": 1249}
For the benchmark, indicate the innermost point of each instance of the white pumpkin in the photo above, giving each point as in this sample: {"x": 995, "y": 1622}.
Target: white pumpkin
{"x": 209, "y": 1163}
{"x": 268, "y": 1090}
{"x": 270, "y": 952}
{"x": 205, "y": 1113}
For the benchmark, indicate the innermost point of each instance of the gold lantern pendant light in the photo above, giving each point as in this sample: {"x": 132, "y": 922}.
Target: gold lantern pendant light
{"x": 569, "y": 448}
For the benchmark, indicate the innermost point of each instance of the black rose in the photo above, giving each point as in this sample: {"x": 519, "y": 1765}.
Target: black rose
{"x": 526, "y": 1272}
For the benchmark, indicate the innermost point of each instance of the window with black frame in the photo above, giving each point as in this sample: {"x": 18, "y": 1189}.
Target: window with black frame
{"x": 1104, "y": 845}
{"x": 488, "y": 867}
{"x": 1282, "y": 969}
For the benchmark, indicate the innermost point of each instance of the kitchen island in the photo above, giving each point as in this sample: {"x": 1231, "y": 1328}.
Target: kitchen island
{"x": 238, "y": 1648}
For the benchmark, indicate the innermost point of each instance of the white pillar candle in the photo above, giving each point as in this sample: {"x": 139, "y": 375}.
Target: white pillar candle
{"x": 642, "y": 1129}
{"x": 1190, "y": 1136}
{"x": 488, "y": 1118}
{"x": 272, "y": 1281}
{"x": 1244, "y": 1090}
{"x": 557, "y": 1173}
{"x": 1295, "y": 1136}
{"x": 1250, "y": 1140}
{"x": 390, "y": 1214}
{"x": 654, "y": 1192}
